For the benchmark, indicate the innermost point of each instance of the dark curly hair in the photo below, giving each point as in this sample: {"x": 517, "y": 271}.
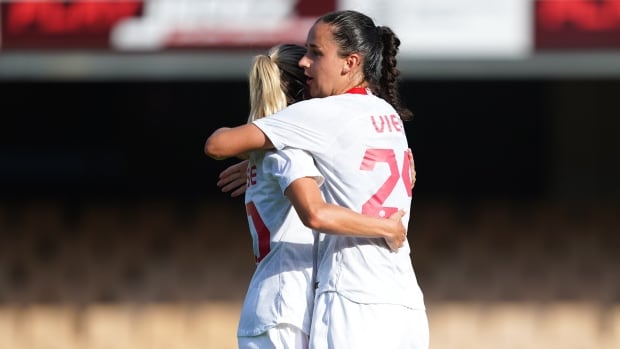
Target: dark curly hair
{"x": 355, "y": 32}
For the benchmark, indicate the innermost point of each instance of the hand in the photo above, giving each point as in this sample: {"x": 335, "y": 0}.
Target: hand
{"x": 233, "y": 179}
{"x": 398, "y": 233}
{"x": 411, "y": 167}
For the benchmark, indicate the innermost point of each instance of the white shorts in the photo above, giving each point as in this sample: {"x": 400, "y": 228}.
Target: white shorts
{"x": 339, "y": 323}
{"x": 283, "y": 336}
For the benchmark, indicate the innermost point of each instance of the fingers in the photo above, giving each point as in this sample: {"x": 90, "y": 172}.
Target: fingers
{"x": 238, "y": 191}
{"x": 230, "y": 171}
{"x": 233, "y": 179}
{"x": 233, "y": 184}
{"x": 398, "y": 214}
{"x": 393, "y": 248}
{"x": 397, "y": 240}
{"x": 411, "y": 167}
{"x": 395, "y": 244}
{"x": 238, "y": 168}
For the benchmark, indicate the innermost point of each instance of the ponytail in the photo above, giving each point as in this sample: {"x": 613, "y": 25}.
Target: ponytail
{"x": 266, "y": 94}
{"x": 388, "y": 81}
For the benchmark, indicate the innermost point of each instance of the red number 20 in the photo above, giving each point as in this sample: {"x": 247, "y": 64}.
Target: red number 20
{"x": 374, "y": 205}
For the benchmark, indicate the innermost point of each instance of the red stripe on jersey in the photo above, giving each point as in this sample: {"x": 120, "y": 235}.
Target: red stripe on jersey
{"x": 264, "y": 236}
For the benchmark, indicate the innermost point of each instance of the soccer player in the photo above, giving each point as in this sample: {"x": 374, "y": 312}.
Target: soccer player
{"x": 277, "y": 308}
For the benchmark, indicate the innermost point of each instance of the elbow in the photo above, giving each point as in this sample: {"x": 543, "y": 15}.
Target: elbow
{"x": 312, "y": 222}
{"x": 213, "y": 148}
{"x": 314, "y": 219}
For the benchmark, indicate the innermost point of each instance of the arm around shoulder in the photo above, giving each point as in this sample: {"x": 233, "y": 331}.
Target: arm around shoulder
{"x": 227, "y": 142}
{"x": 316, "y": 214}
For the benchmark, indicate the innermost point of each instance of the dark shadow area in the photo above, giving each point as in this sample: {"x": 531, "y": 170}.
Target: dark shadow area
{"x": 472, "y": 139}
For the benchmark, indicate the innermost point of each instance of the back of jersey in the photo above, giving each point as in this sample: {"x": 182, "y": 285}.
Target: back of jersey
{"x": 369, "y": 173}
{"x": 359, "y": 145}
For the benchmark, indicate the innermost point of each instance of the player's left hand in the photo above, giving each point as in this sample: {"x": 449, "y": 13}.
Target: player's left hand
{"x": 399, "y": 232}
{"x": 233, "y": 179}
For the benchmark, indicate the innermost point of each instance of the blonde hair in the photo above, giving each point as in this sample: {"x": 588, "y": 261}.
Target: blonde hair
{"x": 276, "y": 80}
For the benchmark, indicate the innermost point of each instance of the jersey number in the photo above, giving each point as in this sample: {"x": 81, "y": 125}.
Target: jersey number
{"x": 263, "y": 234}
{"x": 374, "y": 206}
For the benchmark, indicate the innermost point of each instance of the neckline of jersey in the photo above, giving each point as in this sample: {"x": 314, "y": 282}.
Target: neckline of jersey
{"x": 359, "y": 91}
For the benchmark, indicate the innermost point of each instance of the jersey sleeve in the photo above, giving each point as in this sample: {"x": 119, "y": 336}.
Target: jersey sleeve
{"x": 305, "y": 125}
{"x": 288, "y": 165}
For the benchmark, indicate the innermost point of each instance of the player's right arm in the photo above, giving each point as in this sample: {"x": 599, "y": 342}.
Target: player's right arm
{"x": 316, "y": 214}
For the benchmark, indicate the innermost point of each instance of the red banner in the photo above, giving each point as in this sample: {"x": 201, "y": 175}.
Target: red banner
{"x": 55, "y": 24}
{"x": 156, "y": 25}
{"x": 577, "y": 24}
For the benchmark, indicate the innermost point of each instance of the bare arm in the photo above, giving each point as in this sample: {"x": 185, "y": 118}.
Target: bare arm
{"x": 227, "y": 142}
{"x": 315, "y": 213}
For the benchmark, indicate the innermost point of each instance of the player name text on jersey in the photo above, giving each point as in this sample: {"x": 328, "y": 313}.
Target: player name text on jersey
{"x": 392, "y": 123}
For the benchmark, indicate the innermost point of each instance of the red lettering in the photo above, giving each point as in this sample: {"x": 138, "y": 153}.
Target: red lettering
{"x": 21, "y": 15}
{"x": 393, "y": 123}
{"x": 396, "y": 122}
{"x": 50, "y": 18}
{"x": 60, "y": 18}
{"x": 587, "y": 15}
{"x": 387, "y": 122}
{"x": 251, "y": 176}
{"x": 374, "y": 123}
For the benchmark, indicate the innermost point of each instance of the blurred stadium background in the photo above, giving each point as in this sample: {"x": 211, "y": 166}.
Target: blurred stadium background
{"x": 114, "y": 235}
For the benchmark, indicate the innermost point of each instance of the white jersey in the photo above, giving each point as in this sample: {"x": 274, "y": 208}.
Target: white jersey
{"x": 359, "y": 145}
{"x": 281, "y": 290}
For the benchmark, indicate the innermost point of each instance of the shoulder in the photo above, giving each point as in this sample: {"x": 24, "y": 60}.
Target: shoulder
{"x": 274, "y": 158}
{"x": 314, "y": 104}
{"x": 292, "y": 154}
{"x": 307, "y": 105}
{"x": 286, "y": 157}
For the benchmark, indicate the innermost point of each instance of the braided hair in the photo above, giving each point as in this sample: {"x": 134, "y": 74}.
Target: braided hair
{"x": 354, "y": 32}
